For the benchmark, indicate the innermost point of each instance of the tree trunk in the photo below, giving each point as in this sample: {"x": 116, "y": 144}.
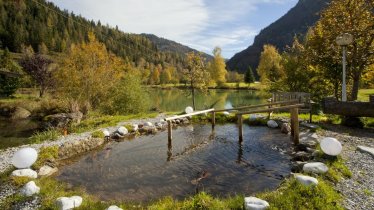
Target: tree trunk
{"x": 193, "y": 98}
{"x": 41, "y": 92}
{"x": 356, "y": 85}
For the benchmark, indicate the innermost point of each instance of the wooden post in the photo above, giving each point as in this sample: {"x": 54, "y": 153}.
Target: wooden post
{"x": 213, "y": 119}
{"x": 240, "y": 122}
{"x": 295, "y": 125}
{"x": 169, "y": 130}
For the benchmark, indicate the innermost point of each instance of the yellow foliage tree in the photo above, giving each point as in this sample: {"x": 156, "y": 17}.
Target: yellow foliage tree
{"x": 87, "y": 72}
{"x": 270, "y": 68}
{"x": 217, "y": 67}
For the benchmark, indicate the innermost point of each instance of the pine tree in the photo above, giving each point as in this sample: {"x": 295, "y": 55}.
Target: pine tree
{"x": 249, "y": 76}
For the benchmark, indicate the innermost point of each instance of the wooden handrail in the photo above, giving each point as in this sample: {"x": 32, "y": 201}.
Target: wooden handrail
{"x": 271, "y": 109}
{"x": 256, "y": 106}
{"x": 188, "y": 115}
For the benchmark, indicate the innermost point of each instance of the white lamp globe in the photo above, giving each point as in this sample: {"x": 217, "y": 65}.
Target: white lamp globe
{"x": 331, "y": 146}
{"x": 24, "y": 158}
{"x": 188, "y": 110}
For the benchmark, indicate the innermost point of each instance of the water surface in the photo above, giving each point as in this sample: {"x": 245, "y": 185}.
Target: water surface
{"x": 149, "y": 167}
{"x": 16, "y": 132}
{"x": 178, "y": 99}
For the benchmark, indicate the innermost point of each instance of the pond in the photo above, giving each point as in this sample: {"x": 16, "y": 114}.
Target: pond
{"x": 176, "y": 100}
{"x": 16, "y": 132}
{"x": 147, "y": 168}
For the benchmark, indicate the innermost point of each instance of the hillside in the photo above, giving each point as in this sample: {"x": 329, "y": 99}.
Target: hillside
{"x": 280, "y": 33}
{"x": 41, "y": 24}
{"x": 166, "y": 45}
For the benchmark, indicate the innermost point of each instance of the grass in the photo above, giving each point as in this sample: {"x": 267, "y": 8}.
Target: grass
{"x": 50, "y": 134}
{"x": 292, "y": 195}
{"x": 98, "y": 134}
{"x": 44, "y": 155}
{"x": 363, "y": 94}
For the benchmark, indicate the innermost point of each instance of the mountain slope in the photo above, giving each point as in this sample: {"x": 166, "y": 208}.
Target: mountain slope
{"x": 280, "y": 33}
{"x": 41, "y": 24}
{"x": 166, "y": 45}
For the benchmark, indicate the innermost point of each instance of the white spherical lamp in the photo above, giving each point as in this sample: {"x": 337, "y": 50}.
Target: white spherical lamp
{"x": 188, "y": 110}
{"x": 331, "y": 146}
{"x": 24, "y": 158}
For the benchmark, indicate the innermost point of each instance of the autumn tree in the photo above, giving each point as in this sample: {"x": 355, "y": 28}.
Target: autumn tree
{"x": 40, "y": 68}
{"x": 165, "y": 76}
{"x": 249, "y": 76}
{"x": 270, "y": 68}
{"x": 344, "y": 16}
{"x": 217, "y": 67}
{"x": 196, "y": 74}
{"x": 87, "y": 73}
{"x": 155, "y": 77}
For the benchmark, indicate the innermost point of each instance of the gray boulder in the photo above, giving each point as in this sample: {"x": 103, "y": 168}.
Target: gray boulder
{"x": 47, "y": 170}
{"x": 26, "y": 173}
{"x": 114, "y": 208}
{"x": 285, "y": 128}
{"x": 20, "y": 113}
{"x": 65, "y": 203}
{"x": 272, "y": 124}
{"x": 315, "y": 167}
{"x": 253, "y": 203}
{"x": 122, "y": 131}
{"x": 306, "y": 180}
{"x": 30, "y": 189}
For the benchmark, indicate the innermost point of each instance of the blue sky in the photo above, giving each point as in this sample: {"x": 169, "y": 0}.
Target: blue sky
{"x": 200, "y": 24}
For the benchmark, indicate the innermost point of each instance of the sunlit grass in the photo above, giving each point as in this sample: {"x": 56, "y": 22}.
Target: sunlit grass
{"x": 363, "y": 94}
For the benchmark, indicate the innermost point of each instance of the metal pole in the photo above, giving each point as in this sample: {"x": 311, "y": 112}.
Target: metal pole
{"x": 344, "y": 88}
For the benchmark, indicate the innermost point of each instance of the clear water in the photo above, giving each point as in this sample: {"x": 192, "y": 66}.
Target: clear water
{"x": 149, "y": 167}
{"x": 16, "y": 132}
{"x": 178, "y": 99}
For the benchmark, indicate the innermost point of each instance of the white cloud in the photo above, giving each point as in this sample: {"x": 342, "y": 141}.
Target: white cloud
{"x": 201, "y": 24}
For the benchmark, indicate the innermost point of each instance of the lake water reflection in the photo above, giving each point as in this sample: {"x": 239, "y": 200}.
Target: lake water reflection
{"x": 179, "y": 99}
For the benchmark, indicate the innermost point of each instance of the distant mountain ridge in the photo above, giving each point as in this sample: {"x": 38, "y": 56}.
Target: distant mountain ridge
{"x": 167, "y": 45}
{"x": 42, "y": 24}
{"x": 280, "y": 33}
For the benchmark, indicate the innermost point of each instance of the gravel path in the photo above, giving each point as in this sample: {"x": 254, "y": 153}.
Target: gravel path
{"x": 358, "y": 191}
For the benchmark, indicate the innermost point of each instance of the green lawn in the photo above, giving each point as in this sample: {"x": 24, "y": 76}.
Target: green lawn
{"x": 363, "y": 94}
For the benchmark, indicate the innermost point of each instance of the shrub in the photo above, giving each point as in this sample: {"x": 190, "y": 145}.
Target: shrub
{"x": 127, "y": 98}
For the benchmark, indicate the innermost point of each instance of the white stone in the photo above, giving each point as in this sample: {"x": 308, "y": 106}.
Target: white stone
{"x": 122, "y": 131}
{"x": 226, "y": 113}
{"x": 25, "y": 172}
{"x": 253, "y": 116}
{"x": 306, "y": 180}
{"x": 24, "y": 158}
{"x": 135, "y": 127}
{"x": 65, "y": 203}
{"x": 47, "y": 170}
{"x": 30, "y": 189}
{"x": 148, "y": 124}
{"x": 106, "y": 133}
{"x": 188, "y": 110}
{"x": 316, "y": 167}
{"x": 331, "y": 146}
{"x": 253, "y": 203}
{"x": 272, "y": 124}
{"x": 368, "y": 150}
{"x": 114, "y": 208}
